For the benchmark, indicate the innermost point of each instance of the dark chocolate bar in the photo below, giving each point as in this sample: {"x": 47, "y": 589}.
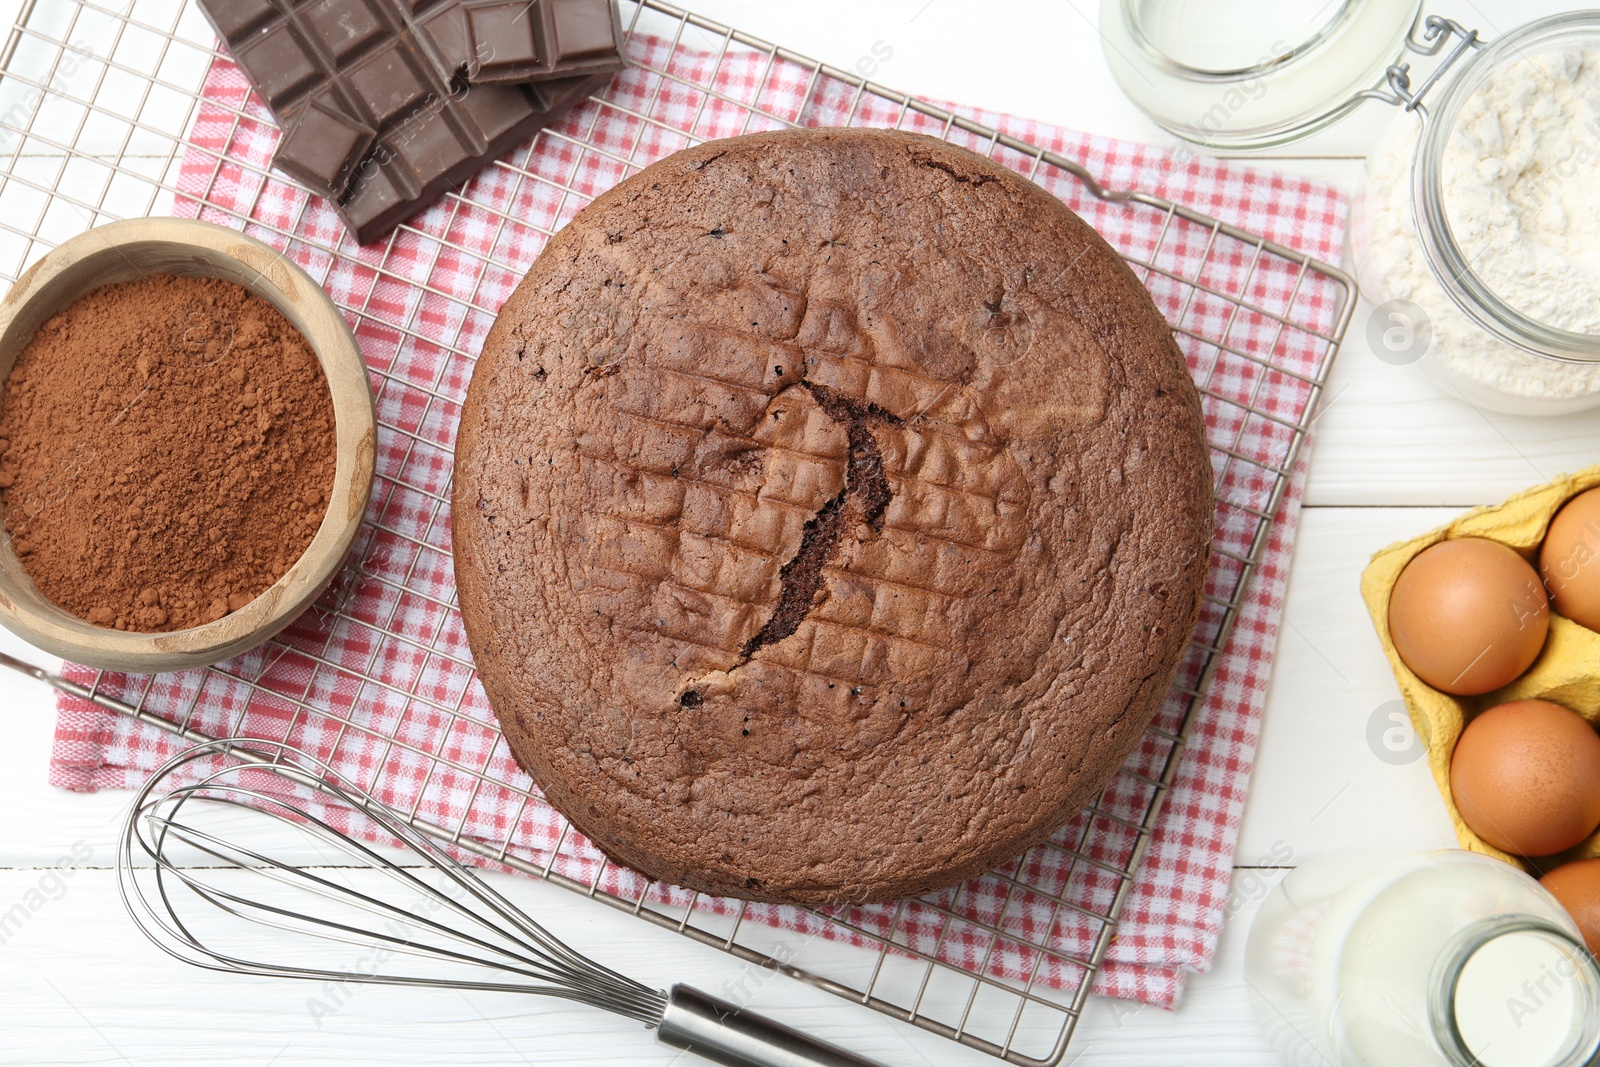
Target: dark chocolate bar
{"x": 515, "y": 41}
{"x": 439, "y": 151}
{"x": 376, "y": 97}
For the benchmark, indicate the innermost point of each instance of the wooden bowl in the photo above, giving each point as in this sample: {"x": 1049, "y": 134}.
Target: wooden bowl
{"x": 123, "y": 251}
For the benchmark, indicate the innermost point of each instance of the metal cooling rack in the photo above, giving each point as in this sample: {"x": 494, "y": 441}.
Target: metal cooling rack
{"x": 93, "y": 99}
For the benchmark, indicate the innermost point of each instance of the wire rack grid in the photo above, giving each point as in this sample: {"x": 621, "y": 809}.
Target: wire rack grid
{"x": 90, "y": 96}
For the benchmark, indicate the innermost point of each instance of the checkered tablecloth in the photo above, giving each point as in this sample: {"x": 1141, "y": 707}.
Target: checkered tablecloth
{"x": 377, "y": 678}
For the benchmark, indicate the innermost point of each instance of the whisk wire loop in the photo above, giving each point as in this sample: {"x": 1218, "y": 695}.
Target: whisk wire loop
{"x": 273, "y": 869}
{"x": 489, "y": 931}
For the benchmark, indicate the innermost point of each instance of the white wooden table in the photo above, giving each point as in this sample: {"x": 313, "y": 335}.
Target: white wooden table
{"x": 1392, "y": 458}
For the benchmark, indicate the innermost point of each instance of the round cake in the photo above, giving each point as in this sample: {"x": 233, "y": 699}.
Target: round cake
{"x": 831, "y": 512}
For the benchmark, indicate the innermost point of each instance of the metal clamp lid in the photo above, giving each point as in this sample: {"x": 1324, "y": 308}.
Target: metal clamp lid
{"x": 1436, "y": 33}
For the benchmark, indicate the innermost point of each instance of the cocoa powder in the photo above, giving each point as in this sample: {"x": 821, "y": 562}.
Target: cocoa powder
{"x": 166, "y": 452}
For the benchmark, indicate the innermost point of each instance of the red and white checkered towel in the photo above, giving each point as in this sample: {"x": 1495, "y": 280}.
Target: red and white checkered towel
{"x": 377, "y": 677}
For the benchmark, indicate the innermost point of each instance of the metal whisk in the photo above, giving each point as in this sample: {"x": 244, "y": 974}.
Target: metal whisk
{"x": 211, "y": 901}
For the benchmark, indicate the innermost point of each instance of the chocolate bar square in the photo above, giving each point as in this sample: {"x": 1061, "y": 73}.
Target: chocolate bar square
{"x": 282, "y": 67}
{"x": 343, "y": 28}
{"x": 323, "y": 145}
{"x": 446, "y": 30}
{"x": 381, "y": 196}
{"x": 430, "y": 143}
{"x": 503, "y": 37}
{"x": 491, "y": 110}
{"x": 390, "y": 84}
{"x": 517, "y": 41}
{"x": 582, "y": 30}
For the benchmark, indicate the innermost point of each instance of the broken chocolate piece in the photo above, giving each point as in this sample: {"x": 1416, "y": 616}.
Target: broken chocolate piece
{"x": 515, "y": 41}
{"x": 381, "y": 102}
{"x": 438, "y": 151}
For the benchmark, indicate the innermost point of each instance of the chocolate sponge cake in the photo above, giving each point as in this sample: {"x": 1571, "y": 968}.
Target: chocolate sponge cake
{"x": 831, "y": 511}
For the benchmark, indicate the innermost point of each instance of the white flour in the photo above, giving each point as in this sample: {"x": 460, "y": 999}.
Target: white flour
{"x": 1521, "y": 182}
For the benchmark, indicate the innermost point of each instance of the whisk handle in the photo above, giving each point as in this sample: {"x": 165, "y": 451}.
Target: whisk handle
{"x": 733, "y": 1037}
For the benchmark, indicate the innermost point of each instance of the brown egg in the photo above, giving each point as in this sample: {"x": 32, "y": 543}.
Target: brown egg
{"x": 1526, "y": 777}
{"x": 1577, "y": 887}
{"x": 1569, "y": 559}
{"x": 1468, "y": 615}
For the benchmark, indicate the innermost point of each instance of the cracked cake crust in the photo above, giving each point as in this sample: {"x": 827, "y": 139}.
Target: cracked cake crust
{"x": 831, "y": 511}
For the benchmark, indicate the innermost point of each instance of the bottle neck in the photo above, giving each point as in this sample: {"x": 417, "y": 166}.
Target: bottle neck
{"x": 1516, "y": 990}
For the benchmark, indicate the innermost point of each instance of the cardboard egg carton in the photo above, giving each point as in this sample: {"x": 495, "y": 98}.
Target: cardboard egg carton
{"x": 1566, "y": 672}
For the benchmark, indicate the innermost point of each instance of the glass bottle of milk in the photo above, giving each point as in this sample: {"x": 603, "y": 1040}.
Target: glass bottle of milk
{"x": 1428, "y": 959}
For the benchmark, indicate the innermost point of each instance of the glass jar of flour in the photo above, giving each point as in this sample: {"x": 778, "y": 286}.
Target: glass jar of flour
{"x": 1478, "y": 231}
{"x": 1477, "y": 234}
{"x": 1428, "y": 959}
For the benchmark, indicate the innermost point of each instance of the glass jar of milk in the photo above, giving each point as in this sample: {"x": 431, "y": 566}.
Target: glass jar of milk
{"x": 1444, "y": 958}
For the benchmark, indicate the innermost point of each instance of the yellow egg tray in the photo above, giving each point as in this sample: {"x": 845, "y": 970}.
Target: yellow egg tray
{"x": 1566, "y": 672}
